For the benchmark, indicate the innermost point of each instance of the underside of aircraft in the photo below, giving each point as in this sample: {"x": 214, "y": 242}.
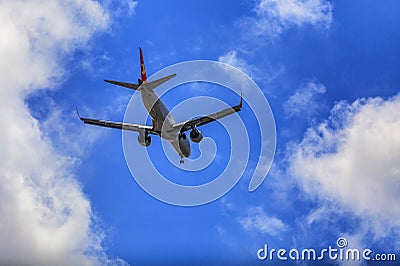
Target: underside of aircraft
{"x": 163, "y": 123}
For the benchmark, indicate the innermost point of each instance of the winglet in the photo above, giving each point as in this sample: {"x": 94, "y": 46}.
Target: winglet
{"x": 77, "y": 112}
{"x": 241, "y": 101}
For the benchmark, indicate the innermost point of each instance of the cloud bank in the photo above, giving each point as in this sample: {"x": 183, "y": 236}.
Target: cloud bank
{"x": 352, "y": 159}
{"x": 45, "y": 217}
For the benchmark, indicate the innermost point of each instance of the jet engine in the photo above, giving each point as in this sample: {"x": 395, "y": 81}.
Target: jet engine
{"x": 144, "y": 140}
{"x": 195, "y": 135}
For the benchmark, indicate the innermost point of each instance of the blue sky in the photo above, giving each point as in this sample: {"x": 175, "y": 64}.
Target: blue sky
{"x": 328, "y": 69}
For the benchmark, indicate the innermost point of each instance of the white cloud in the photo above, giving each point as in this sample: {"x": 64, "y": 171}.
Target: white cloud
{"x": 353, "y": 160}
{"x": 131, "y": 7}
{"x": 122, "y": 8}
{"x": 275, "y": 16}
{"x": 233, "y": 59}
{"x": 268, "y": 75}
{"x": 259, "y": 221}
{"x": 68, "y": 140}
{"x": 45, "y": 217}
{"x": 304, "y": 101}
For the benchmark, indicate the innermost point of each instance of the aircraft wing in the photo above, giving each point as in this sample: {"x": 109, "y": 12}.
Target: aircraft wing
{"x": 199, "y": 121}
{"x": 118, "y": 125}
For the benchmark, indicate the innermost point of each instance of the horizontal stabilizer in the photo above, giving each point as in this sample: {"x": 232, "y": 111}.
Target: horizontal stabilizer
{"x": 153, "y": 84}
{"x": 123, "y": 84}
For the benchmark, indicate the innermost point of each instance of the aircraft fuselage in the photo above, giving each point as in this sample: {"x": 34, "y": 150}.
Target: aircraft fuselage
{"x": 163, "y": 121}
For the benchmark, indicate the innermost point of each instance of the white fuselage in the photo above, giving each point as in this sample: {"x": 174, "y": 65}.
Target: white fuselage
{"x": 163, "y": 121}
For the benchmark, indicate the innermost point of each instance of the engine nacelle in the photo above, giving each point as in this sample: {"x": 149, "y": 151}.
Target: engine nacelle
{"x": 144, "y": 140}
{"x": 195, "y": 135}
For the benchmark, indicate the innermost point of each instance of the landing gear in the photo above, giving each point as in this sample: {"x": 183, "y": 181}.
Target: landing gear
{"x": 181, "y": 161}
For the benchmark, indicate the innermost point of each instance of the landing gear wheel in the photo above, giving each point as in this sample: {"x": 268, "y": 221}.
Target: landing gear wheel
{"x": 181, "y": 161}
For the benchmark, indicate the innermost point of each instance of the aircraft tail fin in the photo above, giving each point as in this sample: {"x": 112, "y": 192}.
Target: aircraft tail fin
{"x": 142, "y": 82}
{"x": 142, "y": 67}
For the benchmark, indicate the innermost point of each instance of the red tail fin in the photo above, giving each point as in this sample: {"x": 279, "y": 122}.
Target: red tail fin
{"x": 142, "y": 68}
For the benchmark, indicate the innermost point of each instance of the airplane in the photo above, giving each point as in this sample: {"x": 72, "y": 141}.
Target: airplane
{"x": 163, "y": 123}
